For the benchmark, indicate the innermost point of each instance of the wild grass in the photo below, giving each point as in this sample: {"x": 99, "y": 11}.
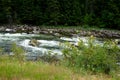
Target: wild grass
{"x": 14, "y": 70}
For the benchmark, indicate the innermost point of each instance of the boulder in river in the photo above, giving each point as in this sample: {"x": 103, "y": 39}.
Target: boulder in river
{"x": 34, "y": 42}
{"x": 57, "y": 34}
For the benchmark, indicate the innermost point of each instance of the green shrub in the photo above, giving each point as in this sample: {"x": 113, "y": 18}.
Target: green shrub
{"x": 92, "y": 57}
{"x": 18, "y": 52}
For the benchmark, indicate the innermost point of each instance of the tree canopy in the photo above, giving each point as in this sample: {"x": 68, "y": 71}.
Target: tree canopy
{"x": 101, "y": 13}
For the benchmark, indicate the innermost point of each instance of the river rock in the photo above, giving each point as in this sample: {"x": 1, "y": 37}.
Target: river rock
{"x": 57, "y": 34}
{"x": 34, "y": 42}
{"x": 9, "y": 30}
{"x": 2, "y": 28}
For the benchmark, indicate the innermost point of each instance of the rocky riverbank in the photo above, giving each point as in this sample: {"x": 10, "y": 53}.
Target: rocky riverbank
{"x": 59, "y": 31}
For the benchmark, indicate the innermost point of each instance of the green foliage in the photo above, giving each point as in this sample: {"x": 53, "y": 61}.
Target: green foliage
{"x": 18, "y": 52}
{"x": 91, "y": 57}
{"x": 50, "y": 58}
{"x": 88, "y": 19}
{"x": 61, "y": 12}
{"x": 31, "y": 71}
{"x": 53, "y": 12}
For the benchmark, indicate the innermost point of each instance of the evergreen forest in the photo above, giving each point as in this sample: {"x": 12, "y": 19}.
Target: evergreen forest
{"x": 99, "y": 13}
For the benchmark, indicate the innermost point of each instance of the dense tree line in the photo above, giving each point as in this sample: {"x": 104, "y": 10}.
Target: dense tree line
{"x": 101, "y": 13}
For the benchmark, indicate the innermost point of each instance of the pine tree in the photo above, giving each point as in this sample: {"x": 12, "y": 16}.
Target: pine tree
{"x": 52, "y": 12}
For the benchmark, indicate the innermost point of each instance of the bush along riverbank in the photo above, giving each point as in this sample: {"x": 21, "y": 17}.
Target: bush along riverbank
{"x": 81, "y": 62}
{"x": 91, "y": 57}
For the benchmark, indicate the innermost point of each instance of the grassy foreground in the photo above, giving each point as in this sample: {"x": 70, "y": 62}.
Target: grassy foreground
{"x": 12, "y": 69}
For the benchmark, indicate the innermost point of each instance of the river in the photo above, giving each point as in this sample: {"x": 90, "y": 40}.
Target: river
{"x": 47, "y": 43}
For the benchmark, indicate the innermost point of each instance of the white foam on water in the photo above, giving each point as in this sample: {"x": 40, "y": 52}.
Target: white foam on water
{"x": 17, "y": 35}
{"x": 8, "y": 39}
{"x": 25, "y": 44}
{"x": 12, "y": 36}
{"x": 74, "y": 39}
{"x": 48, "y": 43}
{"x": 66, "y": 39}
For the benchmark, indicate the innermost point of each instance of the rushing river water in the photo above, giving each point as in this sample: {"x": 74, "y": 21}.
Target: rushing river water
{"x": 47, "y": 43}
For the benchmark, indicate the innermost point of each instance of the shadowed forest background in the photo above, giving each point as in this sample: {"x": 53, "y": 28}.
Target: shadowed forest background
{"x": 100, "y": 13}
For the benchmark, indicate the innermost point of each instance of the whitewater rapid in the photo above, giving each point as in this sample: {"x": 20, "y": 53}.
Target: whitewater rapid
{"x": 45, "y": 46}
